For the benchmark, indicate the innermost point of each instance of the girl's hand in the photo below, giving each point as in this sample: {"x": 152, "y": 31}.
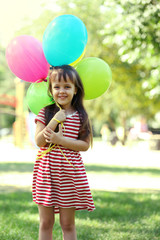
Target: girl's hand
{"x": 53, "y": 137}
{"x": 60, "y": 115}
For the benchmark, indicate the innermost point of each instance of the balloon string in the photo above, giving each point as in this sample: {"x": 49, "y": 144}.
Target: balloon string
{"x": 46, "y": 151}
{"x": 41, "y": 80}
{"x": 55, "y": 145}
{"x": 45, "y": 80}
{"x": 66, "y": 157}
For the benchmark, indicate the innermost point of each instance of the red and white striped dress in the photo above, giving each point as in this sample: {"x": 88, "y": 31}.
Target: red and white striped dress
{"x": 56, "y": 182}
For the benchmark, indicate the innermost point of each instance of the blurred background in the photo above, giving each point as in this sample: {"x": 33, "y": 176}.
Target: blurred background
{"x": 126, "y": 34}
{"x": 123, "y": 167}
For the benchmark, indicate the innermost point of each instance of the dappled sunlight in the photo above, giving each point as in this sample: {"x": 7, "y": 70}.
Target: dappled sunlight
{"x": 108, "y": 168}
{"x": 137, "y": 156}
{"x": 117, "y": 216}
{"x": 122, "y": 180}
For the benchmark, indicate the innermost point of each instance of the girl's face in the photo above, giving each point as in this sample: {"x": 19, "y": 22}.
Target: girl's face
{"x": 63, "y": 92}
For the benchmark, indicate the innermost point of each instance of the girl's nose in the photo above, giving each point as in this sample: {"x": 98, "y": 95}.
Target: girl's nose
{"x": 62, "y": 90}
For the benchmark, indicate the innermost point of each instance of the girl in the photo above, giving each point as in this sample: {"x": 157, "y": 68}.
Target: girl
{"x": 60, "y": 183}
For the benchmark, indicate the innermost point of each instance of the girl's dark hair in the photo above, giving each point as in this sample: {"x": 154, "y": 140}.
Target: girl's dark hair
{"x": 67, "y": 71}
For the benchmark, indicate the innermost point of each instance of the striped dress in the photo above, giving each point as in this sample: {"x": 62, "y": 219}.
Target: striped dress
{"x": 56, "y": 182}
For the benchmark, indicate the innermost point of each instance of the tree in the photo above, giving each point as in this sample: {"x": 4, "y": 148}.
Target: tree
{"x": 136, "y": 32}
{"x": 109, "y": 38}
{"x": 127, "y": 96}
{"x": 6, "y": 77}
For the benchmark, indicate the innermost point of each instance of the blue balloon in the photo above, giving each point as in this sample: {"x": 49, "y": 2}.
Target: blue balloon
{"x": 64, "y": 40}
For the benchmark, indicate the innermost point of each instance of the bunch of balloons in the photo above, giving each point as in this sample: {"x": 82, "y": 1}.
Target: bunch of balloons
{"x": 64, "y": 42}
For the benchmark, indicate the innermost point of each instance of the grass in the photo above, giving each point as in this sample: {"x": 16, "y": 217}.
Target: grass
{"x": 23, "y": 167}
{"x": 118, "y": 216}
{"x": 100, "y": 169}
{"x": 127, "y": 216}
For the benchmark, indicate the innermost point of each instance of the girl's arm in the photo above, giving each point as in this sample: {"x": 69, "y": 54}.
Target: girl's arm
{"x": 75, "y": 145}
{"x": 58, "y": 138}
{"x": 41, "y": 128}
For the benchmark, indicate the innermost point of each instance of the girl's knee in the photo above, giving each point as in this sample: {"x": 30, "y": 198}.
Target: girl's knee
{"x": 67, "y": 219}
{"x": 46, "y": 224}
{"x": 46, "y": 217}
{"x": 67, "y": 226}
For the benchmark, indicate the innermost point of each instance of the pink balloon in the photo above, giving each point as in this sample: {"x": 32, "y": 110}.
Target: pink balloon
{"x": 26, "y": 59}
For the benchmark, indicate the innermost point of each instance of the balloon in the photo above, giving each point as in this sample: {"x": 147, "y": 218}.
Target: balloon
{"x": 64, "y": 40}
{"x": 37, "y": 96}
{"x": 26, "y": 59}
{"x": 96, "y": 76}
{"x": 79, "y": 59}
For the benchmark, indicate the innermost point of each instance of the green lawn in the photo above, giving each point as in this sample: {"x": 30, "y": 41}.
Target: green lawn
{"x": 127, "y": 216}
{"x": 132, "y": 214}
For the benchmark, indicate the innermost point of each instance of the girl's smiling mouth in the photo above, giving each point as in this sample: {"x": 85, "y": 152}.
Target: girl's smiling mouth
{"x": 62, "y": 96}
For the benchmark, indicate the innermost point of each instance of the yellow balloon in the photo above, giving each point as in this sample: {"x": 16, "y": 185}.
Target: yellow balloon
{"x": 78, "y": 59}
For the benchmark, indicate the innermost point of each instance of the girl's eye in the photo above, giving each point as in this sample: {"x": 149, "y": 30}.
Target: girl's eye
{"x": 55, "y": 87}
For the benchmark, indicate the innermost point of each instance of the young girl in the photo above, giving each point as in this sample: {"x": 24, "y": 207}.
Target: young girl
{"x": 60, "y": 183}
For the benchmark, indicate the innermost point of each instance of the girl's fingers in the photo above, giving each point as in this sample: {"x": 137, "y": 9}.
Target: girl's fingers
{"x": 60, "y": 128}
{"x": 46, "y": 135}
{"x": 47, "y": 138}
{"x": 48, "y": 130}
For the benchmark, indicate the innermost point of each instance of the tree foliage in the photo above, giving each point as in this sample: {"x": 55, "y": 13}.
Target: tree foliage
{"x": 126, "y": 34}
{"x": 113, "y": 28}
{"x": 136, "y": 31}
{"x": 6, "y": 77}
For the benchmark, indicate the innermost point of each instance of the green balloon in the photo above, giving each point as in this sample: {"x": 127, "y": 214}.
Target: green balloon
{"x": 96, "y": 76}
{"x": 37, "y": 96}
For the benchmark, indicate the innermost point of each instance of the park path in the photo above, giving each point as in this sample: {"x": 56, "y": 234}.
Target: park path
{"x": 108, "y": 168}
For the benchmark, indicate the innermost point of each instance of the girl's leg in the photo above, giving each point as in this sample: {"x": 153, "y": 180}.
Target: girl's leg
{"x": 46, "y": 215}
{"x": 67, "y": 221}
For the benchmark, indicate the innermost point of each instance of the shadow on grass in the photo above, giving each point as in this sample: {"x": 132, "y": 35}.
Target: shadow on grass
{"x": 125, "y": 205}
{"x": 123, "y": 215}
{"x": 16, "y": 167}
{"x": 121, "y": 170}
{"x": 28, "y": 167}
{"x": 117, "y": 216}
{"x": 19, "y": 217}
{"x": 15, "y": 216}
